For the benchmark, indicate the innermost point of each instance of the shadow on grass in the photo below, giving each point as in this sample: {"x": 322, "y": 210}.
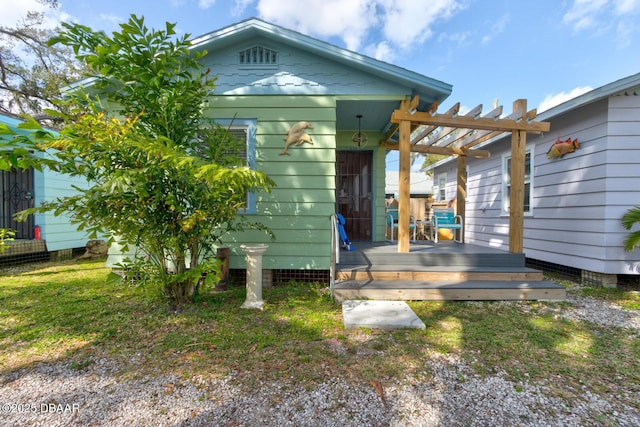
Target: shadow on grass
{"x": 530, "y": 342}
{"x": 73, "y": 315}
{"x": 62, "y": 314}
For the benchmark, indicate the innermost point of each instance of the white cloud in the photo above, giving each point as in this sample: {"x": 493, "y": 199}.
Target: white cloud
{"x": 588, "y": 14}
{"x": 402, "y": 23}
{"x": 349, "y": 21}
{"x": 206, "y": 4}
{"x": 240, "y": 6}
{"x": 551, "y": 101}
{"x": 113, "y": 19}
{"x": 497, "y": 28}
{"x": 627, "y": 6}
{"x": 457, "y": 38}
{"x": 407, "y": 22}
{"x": 381, "y": 51}
{"x": 584, "y": 14}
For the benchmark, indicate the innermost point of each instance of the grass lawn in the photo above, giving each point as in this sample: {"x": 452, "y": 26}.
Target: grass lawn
{"x": 73, "y": 312}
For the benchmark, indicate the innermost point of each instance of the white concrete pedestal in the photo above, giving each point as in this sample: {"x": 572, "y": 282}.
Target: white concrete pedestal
{"x": 254, "y": 275}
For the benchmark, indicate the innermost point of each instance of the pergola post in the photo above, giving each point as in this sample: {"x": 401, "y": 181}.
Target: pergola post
{"x": 404, "y": 186}
{"x": 516, "y": 194}
{"x": 461, "y": 194}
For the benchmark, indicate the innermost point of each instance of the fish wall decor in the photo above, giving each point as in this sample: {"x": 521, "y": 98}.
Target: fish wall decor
{"x": 560, "y": 148}
{"x": 296, "y": 136}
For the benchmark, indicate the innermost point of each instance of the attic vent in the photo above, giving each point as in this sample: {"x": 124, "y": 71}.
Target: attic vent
{"x": 257, "y": 56}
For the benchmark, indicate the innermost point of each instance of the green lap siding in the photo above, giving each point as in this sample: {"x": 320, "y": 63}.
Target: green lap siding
{"x": 298, "y": 211}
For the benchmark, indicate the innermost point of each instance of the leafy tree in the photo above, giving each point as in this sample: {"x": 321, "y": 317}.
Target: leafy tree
{"x": 628, "y": 220}
{"x": 31, "y": 71}
{"x": 161, "y": 177}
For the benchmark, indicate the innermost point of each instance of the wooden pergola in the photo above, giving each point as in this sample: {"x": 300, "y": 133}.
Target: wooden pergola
{"x": 457, "y": 135}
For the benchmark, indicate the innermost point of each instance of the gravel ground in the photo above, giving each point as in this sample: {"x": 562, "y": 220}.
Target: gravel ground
{"x": 58, "y": 394}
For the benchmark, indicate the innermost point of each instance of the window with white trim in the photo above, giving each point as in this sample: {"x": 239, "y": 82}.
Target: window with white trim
{"x": 528, "y": 182}
{"x": 243, "y": 130}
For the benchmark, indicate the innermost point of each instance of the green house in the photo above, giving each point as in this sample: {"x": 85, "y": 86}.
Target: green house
{"x": 269, "y": 79}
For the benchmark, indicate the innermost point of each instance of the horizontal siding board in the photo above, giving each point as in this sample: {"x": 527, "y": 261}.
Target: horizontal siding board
{"x": 282, "y": 101}
{"x": 622, "y": 176}
{"x": 624, "y": 128}
{"x": 573, "y": 212}
{"x": 567, "y": 200}
{"x": 558, "y": 175}
{"x": 589, "y": 251}
{"x": 628, "y": 115}
{"x": 278, "y": 129}
{"x": 283, "y": 236}
{"x": 282, "y": 116}
{"x": 312, "y": 208}
{"x": 303, "y": 182}
{"x": 319, "y": 152}
{"x": 582, "y": 238}
{"x": 304, "y": 196}
{"x": 574, "y": 225}
{"x": 624, "y": 142}
{"x": 284, "y": 221}
{"x": 297, "y": 168}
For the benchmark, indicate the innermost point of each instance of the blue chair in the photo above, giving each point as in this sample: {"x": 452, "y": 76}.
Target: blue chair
{"x": 446, "y": 218}
{"x": 392, "y": 223}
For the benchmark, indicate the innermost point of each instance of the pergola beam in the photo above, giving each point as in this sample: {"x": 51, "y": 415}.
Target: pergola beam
{"x": 464, "y": 122}
{"x": 447, "y": 151}
{"x": 444, "y": 132}
{"x": 453, "y": 111}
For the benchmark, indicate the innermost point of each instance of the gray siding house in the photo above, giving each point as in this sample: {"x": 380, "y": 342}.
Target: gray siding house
{"x": 574, "y": 203}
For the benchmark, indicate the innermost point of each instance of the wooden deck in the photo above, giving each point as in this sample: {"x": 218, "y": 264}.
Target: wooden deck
{"x": 442, "y": 271}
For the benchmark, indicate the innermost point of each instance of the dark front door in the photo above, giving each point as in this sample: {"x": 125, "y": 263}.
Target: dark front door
{"x": 16, "y": 194}
{"x": 354, "y": 193}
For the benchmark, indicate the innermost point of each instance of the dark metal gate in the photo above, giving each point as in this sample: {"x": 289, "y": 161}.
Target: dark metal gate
{"x": 17, "y": 194}
{"x": 354, "y": 192}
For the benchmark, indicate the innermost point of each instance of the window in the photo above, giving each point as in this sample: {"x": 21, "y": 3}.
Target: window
{"x": 528, "y": 182}
{"x": 258, "y": 56}
{"x": 442, "y": 187}
{"x": 244, "y": 129}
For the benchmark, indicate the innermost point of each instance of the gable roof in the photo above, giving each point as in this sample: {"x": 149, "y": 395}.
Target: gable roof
{"x": 428, "y": 89}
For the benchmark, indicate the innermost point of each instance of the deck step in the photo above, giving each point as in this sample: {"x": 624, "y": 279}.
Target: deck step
{"x": 401, "y": 290}
{"x": 442, "y": 273}
{"x": 432, "y": 259}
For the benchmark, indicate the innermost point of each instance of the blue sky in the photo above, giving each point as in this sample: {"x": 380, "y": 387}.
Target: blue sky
{"x": 545, "y": 51}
